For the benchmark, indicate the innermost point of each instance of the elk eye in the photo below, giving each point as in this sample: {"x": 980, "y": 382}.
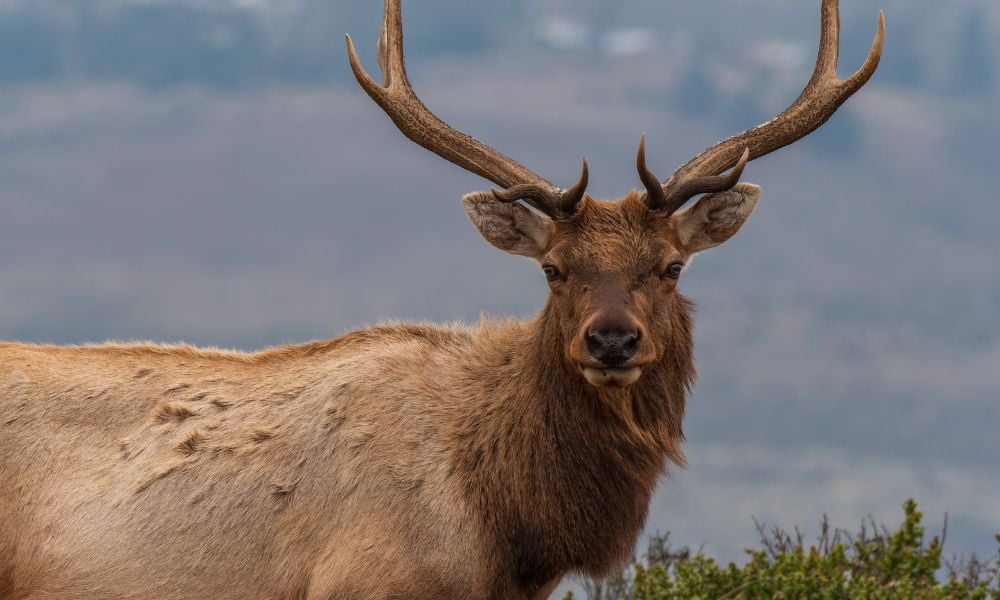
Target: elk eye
{"x": 674, "y": 270}
{"x": 551, "y": 272}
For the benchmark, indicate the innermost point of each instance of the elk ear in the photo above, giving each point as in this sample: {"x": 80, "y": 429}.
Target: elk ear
{"x": 508, "y": 225}
{"x": 716, "y": 217}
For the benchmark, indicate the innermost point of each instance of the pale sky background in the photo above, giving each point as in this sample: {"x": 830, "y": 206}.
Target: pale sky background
{"x": 209, "y": 172}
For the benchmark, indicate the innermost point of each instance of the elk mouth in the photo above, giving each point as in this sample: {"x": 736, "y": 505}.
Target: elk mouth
{"x": 611, "y": 376}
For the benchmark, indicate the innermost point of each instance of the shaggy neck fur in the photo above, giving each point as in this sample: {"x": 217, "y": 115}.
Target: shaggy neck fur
{"x": 561, "y": 472}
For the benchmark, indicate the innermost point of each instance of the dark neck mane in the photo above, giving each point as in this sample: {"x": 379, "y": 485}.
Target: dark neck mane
{"x": 561, "y": 472}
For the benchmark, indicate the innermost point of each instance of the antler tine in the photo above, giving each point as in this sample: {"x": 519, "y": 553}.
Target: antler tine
{"x": 669, "y": 200}
{"x": 675, "y": 196}
{"x": 558, "y": 208}
{"x": 390, "y": 54}
{"x": 414, "y": 120}
{"x": 822, "y": 96}
{"x": 655, "y": 198}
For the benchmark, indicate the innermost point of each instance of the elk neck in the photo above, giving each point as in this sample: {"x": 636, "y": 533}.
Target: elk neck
{"x": 560, "y": 472}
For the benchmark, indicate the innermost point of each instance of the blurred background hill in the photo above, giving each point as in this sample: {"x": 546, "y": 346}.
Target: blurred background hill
{"x": 208, "y": 171}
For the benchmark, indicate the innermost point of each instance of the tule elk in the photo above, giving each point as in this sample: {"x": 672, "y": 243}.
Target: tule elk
{"x": 401, "y": 460}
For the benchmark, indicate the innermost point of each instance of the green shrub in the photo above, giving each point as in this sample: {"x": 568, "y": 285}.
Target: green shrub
{"x": 872, "y": 564}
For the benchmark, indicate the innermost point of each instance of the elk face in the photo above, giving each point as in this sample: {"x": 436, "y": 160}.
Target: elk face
{"x": 613, "y": 270}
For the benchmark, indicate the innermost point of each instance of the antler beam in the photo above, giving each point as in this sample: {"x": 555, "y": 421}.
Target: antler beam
{"x": 396, "y": 97}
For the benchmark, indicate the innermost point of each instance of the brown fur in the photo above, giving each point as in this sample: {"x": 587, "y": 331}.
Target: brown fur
{"x": 395, "y": 461}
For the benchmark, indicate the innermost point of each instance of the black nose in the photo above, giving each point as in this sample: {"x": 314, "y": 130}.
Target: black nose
{"x": 612, "y": 346}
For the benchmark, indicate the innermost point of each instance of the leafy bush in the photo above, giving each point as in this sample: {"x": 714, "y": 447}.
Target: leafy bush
{"x": 873, "y": 563}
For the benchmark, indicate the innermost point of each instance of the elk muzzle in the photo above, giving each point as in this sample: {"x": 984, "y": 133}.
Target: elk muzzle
{"x": 612, "y": 346}
{"x": 615, "y": 347}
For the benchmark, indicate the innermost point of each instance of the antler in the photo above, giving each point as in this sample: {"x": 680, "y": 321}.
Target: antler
{"x": 821, "y": 97}
{"x": 415, "y": 121}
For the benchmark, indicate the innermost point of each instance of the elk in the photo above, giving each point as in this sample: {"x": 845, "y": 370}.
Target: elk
{"x": 400, "y": 460}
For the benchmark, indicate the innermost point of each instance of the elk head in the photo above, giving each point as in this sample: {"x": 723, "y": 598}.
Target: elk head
{"x": 613, "y": 266}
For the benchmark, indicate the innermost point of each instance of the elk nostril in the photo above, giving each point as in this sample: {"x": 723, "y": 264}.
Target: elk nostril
{"x": 595, "y": 343}
{"x": 630, "y": 343}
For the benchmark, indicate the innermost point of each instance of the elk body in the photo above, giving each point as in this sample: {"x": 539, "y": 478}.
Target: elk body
{"x": 398, "y": 461}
